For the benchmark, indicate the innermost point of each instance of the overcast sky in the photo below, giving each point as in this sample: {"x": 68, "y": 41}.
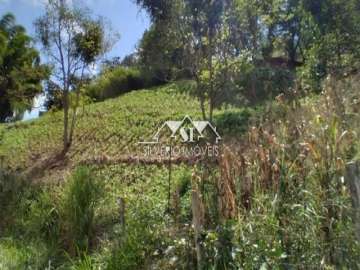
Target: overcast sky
{"x": 124, "y": 16}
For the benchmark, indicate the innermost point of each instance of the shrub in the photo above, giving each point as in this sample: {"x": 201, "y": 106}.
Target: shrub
{"x": 17, "y": 254}
{"x": 80, "y": 199}
{"x": 294, "y": 207}
{"x": 130, "y": 255}
{"x": 12, "y": 189}
{"x": 113, "y": 83}
{"x": 233, "y": 122}
{"x": 257, "y": 84}
{"x": 43, "y": 217}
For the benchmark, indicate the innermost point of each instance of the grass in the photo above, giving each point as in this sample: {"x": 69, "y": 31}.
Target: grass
{"x": 282, "y": 179}
{"x": 108, "y": 128}
{"x": 111, "y": 128}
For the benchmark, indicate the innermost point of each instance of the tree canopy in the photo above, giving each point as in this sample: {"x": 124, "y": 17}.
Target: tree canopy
{"x": 74, "y": 41}
{"x": 21, "y": 72}
{"x": 250, "y": 48}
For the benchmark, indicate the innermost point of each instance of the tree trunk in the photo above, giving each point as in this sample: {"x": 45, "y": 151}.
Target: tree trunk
{"x": 202, "y": 106}
{"x": 211, "y": 109}
{"x": 73, "y": 121}
{"x": 66, "y": 121}
{"x": 198, "y": 218}
{"x": 352, "y": 178}
{"x": 201, "y": 98}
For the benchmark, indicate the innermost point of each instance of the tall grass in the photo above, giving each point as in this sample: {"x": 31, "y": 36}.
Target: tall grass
{"x": 81, "y": 197}
{"x": 294, "y": 207}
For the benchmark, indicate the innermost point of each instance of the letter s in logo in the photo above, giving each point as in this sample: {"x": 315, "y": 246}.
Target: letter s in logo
{"x": 187, "y": 137}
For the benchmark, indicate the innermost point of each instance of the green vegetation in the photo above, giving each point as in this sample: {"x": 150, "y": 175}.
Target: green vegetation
{"x": 21, "y": 72}
{"x": 73, "y": 40}
{"x": 80, "y": 201}
{"x": 113, "y": 83}
{"x": 112, "y": 128}
{"x": 277, "y": 79}
{"x": 282, "y": 218}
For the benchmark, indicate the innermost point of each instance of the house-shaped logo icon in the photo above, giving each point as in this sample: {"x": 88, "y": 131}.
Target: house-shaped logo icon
{"x": 186, "y": 130}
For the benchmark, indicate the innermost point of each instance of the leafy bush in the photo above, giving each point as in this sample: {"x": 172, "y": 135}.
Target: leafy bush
{"x": 50, "y": 219}
{"x": 233, "y": 122}
{"x": 257, "y": 84}
{"x": 113, "y": 83}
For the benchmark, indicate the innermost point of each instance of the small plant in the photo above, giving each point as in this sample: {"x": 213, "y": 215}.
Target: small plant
{"x": 12, "y": 188}
{"x": 43, "y": 217}
{"x": 81, "y": 197}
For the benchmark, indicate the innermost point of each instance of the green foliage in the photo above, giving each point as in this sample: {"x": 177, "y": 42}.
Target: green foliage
{"x": 85, "y": 263}
{"x": 265, "y": 83}
{"x": 300, "y": 212}
{"x": 90, "y": 43}
{"x": 113, "y": 83}
{"x": 13, "y": 188}
{"x": 50, "y": 221}
{"x": 291, "y": 164}
{"x": 81, "y": 197}
{"x": 144, "y": 190}
{"x": 73, "y": 40}
{"x": 205, "y": 40}
{"x": 233, "y": 122}
{"x": 54, "y": 98}
{"x": 15, "y": 254}
{"x": 132, "y": 115}
{"x": 161, "y": 56}
{"x": 43, "y": 216}
{"x": 21, "y": 73}
{"x": 131, "y": 253}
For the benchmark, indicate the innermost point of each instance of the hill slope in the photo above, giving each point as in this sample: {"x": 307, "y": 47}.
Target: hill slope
{"x": 285, "y": 172}
{"x": 109, "y": 128}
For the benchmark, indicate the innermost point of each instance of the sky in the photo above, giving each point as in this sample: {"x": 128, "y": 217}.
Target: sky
{"x": 124, "y": 16}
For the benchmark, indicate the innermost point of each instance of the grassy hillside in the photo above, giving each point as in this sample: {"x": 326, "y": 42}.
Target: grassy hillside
{"x": 276, "y": 189}
{"x": 109, "y": 128}
{"x": 106, "y": 129}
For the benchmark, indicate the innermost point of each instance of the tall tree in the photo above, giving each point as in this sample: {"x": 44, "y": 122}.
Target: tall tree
{"x": 73, "y": 41}
{"x": 21, "y": 73}
{"x": 195, "y": 37}
{"x": 335, "y": 33}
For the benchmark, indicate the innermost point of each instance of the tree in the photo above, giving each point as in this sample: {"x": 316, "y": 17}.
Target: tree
{"x": 161, "y": 49}
{"x": 191, "y": 37}
{"x": 216, "y": 47}
{"x": 333, "y": 39}
{"x": 161, "y": 54}
{"x": 21, "y": 73}
{"x": 73, "y": 41}
{"x": 251, "y": 48}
